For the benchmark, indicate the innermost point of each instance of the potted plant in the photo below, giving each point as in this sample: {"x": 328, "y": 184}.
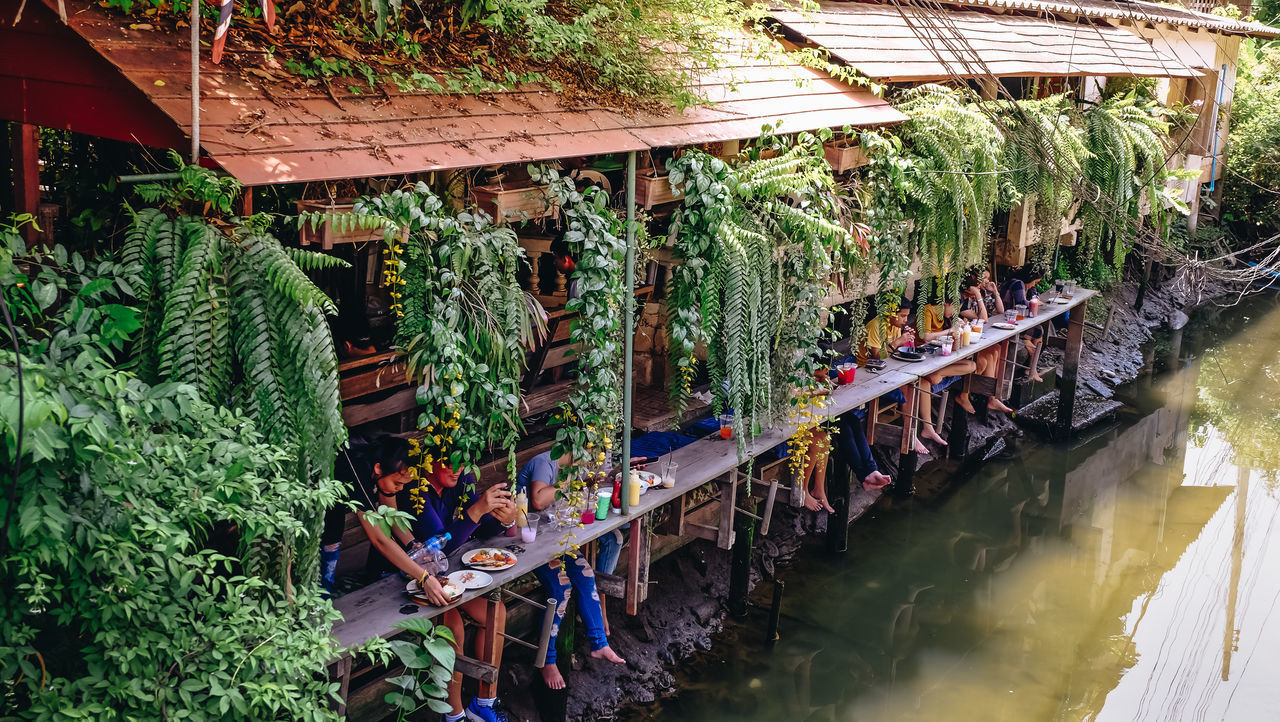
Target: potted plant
{"x": 331, "y": 221}
{"x": 515, "y": 203}
{"x": 844, "y": 154}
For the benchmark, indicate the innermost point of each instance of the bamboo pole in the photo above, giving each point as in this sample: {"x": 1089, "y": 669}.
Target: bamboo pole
{"x": 195, "y": 82}
{"x": 628, "y": 328}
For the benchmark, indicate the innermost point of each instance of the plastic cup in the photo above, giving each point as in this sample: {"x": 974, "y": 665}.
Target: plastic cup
{"x": 602, "y": 504}
{"x": 847, "y": 373}
{"x": 947, "y": 344}
{"x": 529, "y": 531}
{"x": 726, "y": 426}
{"x": 1021, "y": 311}
{"x": 1010, "y": 315}
{"x": 669, "y": 475}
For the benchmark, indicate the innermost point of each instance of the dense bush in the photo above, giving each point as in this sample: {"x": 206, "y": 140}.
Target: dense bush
{"x": 1251, "y": 192}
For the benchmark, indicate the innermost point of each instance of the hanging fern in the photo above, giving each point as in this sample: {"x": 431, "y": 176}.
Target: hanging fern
{"x": 228, "y": 310}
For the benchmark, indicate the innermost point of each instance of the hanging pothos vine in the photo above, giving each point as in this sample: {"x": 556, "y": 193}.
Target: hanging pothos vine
{"x": 595, "y": 235}
{"x": 462, "y": 320}
{"x": 756, "y": 244}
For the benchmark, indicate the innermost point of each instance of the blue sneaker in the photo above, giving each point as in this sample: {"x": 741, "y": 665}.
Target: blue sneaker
{"x": 476, "y": 713}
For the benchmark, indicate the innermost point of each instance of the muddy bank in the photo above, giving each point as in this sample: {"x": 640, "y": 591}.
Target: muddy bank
{"x": 686, "y": 607}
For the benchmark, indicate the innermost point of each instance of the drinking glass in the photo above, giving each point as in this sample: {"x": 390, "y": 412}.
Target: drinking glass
{"x": 1020, "y": 311}
{"x": 726, "y": 426}
{"x": 1010, "y": 315}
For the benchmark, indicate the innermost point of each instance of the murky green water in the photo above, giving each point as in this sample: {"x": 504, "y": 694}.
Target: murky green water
{"x": 1132, "y": 577}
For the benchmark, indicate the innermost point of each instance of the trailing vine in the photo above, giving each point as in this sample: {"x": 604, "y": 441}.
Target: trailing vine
{"x": 1126, "y": 137}
{"x": 462, "y": 320}
{"x": 596, "y": 238}
{"x": 757, "y": 243}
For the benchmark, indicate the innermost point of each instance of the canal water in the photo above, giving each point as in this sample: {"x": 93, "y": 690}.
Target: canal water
{"x": 1130, "y": 575}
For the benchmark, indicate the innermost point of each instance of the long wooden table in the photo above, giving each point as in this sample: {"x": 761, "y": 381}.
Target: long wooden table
{"x": 369, "y": 613}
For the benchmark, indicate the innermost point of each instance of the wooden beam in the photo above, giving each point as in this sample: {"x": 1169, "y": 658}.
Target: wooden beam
{"x": 404, "y": 400}
{"x": 638, "y": 560}
{"x": 728, "y": 502}
{"x": 24, "y": 141}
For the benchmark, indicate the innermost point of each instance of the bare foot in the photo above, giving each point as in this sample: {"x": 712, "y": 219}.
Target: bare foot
{"x": 876, "y": 480}
{"x": 998, "y": 405}
{"x": 812, "y": 503}
{"x": 1035, "y": 376}
{"x": 927, "y": 432}
{"x": 919, "y": 448}
{"x": 607, "y": 654}
{"x": 825, "y": 504}
{"x": 551, "y": 676}
{"x": 963, "y": 402}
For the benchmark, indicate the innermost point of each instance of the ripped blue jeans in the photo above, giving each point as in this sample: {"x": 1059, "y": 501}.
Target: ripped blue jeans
{"x": 561, "y": 575}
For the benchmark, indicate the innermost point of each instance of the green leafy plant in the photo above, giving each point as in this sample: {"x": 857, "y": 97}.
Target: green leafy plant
{"x": 756, "y": 244}
{"x": 596, "y": 240}
{"x": 428, "y": 668}
{"x": 462, "y": 319}
{"x": 230, "y": 311}
{"x": 146, "y": 571}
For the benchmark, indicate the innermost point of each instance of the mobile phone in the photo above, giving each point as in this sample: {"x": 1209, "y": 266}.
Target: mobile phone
{"x": 875, "y": 364}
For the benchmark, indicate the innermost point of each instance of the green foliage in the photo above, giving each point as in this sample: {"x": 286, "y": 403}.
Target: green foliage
{"x": 428, "y": 668}
{"x": 756, "y": 244}
{"x": 1252, "y": 178}
{"x": 955, "y": 155}
{"x": 146, "y": 573}
{"x": 463, "y": 319}
{"x": 228, "y": 310}
{"x": 1044, "y": 153}
{"x": 1124, "y": 176}
{"x": 597, "y": 242}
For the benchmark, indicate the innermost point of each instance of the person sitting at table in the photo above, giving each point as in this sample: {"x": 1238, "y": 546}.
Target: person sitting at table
{"x": 851, "y": 440}
{"x": 1018, "y": 290}
{"x": 540, "y": 479}
{"x": 981, "y": 301}
{"x": 381, "y": 479}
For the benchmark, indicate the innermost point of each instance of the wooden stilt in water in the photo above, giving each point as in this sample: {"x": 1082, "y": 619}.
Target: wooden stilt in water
{"x": 839, "y": 491}
{"x": 638, "y": 561}
{"x": 1070, "y": 368}
{"x": 740, "y": 560}
{"x": 775, "y": 612}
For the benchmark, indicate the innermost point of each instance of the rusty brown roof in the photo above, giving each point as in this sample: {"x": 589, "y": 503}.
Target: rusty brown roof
{"x": 910, "y": 44}
{"x": 1136, "y": 11}
{"x": 263, "y": 132}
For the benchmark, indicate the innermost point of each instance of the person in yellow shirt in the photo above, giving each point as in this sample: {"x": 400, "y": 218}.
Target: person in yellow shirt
{"x": 885, "y": 333}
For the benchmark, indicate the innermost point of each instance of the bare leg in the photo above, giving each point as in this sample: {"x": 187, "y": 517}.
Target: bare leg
{"x": 1033, "y": 368}
{"x": 926, "y": 414}
{"x": 453, "y": 621}
{"x": 819, "y": 451}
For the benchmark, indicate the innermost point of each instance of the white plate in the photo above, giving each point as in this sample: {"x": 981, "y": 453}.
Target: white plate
{"x": 470, "y": 579}
{"x": 469, "y": 559}
{"x": 414, "y": 590}
{"x": 1003, "y": 325}
{"x": 1063, "y": 301}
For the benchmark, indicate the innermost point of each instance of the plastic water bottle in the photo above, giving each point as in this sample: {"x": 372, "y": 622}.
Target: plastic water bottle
{"x": 431, "y": 556}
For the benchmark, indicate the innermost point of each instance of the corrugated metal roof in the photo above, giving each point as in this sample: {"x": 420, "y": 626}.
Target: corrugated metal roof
{"x": 910, "y": 44}
{"x": 263, "y": 132}
{"x": 1137, "y": 11}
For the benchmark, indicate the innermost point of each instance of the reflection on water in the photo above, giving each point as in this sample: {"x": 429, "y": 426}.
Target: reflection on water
{"x": 1129, "y": 577}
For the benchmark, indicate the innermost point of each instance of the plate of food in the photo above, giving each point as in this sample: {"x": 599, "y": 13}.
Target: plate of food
{"x": 470, "y": 579}
{"x": 1003, "y": 325}
{"x": 907, "y": 355}
{"x": 489, "y": 558}
{"x": 450, "y": 588}
{"x": 649, "y": 478}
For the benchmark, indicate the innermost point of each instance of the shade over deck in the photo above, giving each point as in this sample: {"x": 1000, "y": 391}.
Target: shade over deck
{"x": 264, "y": 131}
{"x": 910, "y": 44}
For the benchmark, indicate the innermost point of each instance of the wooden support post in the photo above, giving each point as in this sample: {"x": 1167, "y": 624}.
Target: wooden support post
{"x": 544, "y": 635}
{"x": 904, "y": 481}
{"x": 1070, "y": 367}
{"x": 342, "y": 674}
{"x": 246, "y": 202}
{"x": 873, "y": 410}
{"x": 24, "y": 145}
{"x": 775, "y": 612}
{"x": 492, "y": 651}
{"x": 728, "y": 502}
{"x": 638, "y": 565}
{"x": 910, "y": 412}
{"x": 770, "y": 498}
{"x": 740, "y": 561}
{"x": 839, "y": 492}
